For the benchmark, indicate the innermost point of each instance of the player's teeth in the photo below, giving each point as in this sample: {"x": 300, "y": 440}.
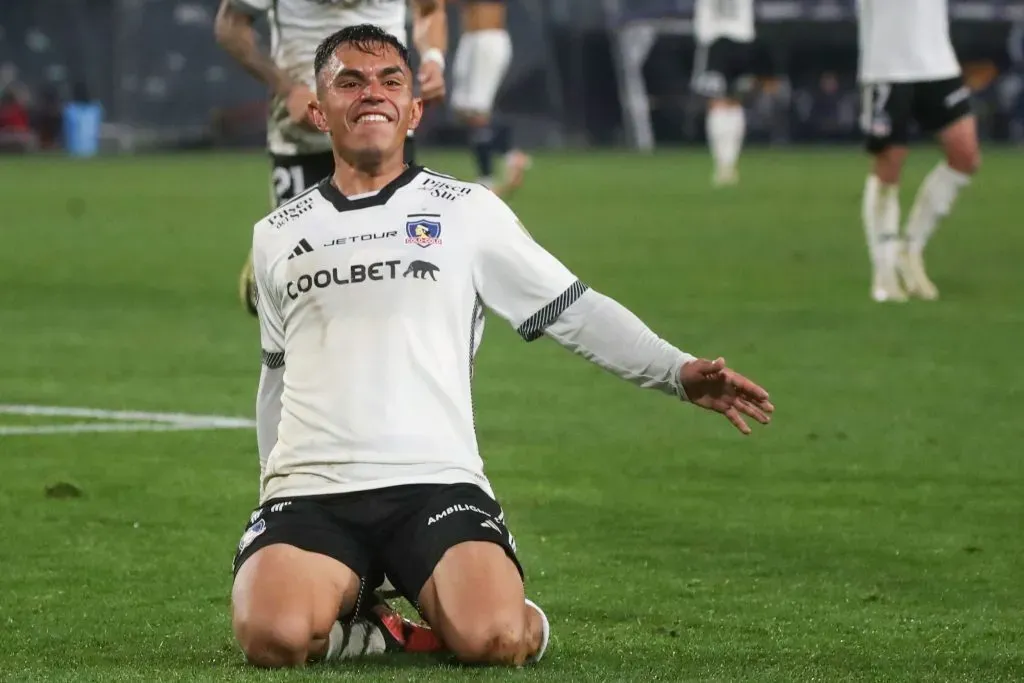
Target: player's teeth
{"x": 373, "y": 117}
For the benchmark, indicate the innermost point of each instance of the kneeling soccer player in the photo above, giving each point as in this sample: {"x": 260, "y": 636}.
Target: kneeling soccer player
{"x": 371, "y": 292}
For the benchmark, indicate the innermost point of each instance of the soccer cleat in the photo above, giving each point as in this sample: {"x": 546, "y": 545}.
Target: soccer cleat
{"x": 725, "y": 177}
{"x": 401, "y": 634}
{"x": 885, "y": 286}
{"x": 517, "y": 163}
{"x": 915, "y": 279}
{"x": 247, "y": 286}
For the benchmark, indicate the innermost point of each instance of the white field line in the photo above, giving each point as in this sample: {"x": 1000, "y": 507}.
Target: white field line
{"x": 118, "y": 421}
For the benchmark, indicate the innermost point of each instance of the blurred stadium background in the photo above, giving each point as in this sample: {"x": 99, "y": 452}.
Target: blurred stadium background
{"x": 165, "y": 84}
{"x": 873, "y": 532}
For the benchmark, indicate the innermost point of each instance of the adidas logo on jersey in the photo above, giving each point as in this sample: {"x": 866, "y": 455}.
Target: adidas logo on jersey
{"x": 303, "y": 248}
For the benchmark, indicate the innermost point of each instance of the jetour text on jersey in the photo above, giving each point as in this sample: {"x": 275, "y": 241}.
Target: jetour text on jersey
{"x": 356, "y": 273}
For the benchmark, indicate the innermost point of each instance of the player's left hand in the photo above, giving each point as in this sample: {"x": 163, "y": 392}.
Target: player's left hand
{"x": 431, "y": 78}
{"x": 713, "y": 386}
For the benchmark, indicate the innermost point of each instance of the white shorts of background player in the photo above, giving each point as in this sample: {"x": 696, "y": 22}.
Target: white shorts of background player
{"x": 481, "y": 62}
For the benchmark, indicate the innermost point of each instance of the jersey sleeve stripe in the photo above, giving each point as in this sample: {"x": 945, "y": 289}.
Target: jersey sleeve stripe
{"x": 273, "y": 359}
{"x": 535, "y": 325}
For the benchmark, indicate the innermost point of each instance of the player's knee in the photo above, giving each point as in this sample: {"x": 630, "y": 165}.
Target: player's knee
{"x": 889, "y": 165}
{"x": 278, "y": 642}
{"x": 477, "y": 119}
{"x": 497, "y": 639}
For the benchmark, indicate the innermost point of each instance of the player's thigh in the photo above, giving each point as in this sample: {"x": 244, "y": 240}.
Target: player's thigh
{"x": 886, "y": 115}
{"x": 944, "y": 108}
{"x": 455, "y": 560}
{"x": 462, "y": 66}
{"x": 739, "y": 68}
{"x": 296, "y": 570}
{"x": 493, "y": 55}
{"x": 475, "y": 599}
{"x": 285, "y": 597}
{"x": 290, "y": 176}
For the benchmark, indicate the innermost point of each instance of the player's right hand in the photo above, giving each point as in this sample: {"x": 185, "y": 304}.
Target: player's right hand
{"x": 298, "y": 101}
{"x": 431, "y": 79}
{"x": 713, "y": 386}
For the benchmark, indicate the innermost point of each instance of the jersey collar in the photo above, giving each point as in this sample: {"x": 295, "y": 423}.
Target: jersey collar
{"x": 343, "y": 203}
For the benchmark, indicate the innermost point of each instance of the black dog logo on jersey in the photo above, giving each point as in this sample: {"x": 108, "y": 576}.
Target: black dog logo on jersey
{"x": 423, "y": 229}
{"x": 420, "y": 269}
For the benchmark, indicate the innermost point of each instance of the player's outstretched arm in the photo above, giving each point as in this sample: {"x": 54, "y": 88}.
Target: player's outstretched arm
{"x": 609, "y": 335}
{"x": 234, "y": 30}
{"x": 525, "y": 284}
{"x": 430, "y": 36}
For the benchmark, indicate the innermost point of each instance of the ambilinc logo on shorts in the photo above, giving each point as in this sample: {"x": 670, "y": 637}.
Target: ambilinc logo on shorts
{"x": 451, "y": 510}
{"x": 354, "y": 274}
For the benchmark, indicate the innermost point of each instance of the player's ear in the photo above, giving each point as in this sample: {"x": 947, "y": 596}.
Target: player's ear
{"x": 415, "y": 113}
{"x": 316, "y": 115}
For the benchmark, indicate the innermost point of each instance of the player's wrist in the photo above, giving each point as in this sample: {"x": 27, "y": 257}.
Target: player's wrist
{"x": 435, "y": 55}
{"x": 684, "y": 360}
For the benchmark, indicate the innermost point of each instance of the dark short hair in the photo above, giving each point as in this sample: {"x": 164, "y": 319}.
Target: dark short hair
{"x": 367, "y": 38}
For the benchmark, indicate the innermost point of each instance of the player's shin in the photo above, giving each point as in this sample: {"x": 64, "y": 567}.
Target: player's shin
{"x": 934, "y": 201}
{"x": 726, "y": 127}
{"x": 481, "y": 140}
{"x": 881, "y": 216}
{"x": 538, "y": 632}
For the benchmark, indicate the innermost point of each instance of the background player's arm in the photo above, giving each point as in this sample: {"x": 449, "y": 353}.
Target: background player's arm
{"x": 430, "y": 36}
{"x": 234, "y": 30}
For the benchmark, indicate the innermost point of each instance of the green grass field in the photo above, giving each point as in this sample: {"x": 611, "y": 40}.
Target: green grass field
{"x": 875, "y": 531}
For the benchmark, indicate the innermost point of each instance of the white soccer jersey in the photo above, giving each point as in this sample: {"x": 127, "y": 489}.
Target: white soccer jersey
{"x": 903, "y": 41}
{"x": 297, "y": 27}
{"x": 733, "y": 19}
{"x": 374, "y": 306}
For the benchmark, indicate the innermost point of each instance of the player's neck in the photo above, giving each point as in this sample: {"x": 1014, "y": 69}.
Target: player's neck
{"x": 353, "y": 180}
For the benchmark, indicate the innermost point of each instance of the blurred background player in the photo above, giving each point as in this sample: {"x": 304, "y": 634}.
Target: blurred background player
{"x": 725, "y": 35}
{"x": 481, "y": 61}
{"x": 300, "y": 154}
{"x": 909, "y": 72}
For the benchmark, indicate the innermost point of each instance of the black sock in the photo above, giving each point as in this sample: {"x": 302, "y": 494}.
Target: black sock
{"x": 482, "y": 141}
{"x": 502, "y": 138}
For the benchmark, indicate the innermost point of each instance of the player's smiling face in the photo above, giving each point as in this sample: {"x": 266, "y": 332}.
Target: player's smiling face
{"x": 366, "y": 102}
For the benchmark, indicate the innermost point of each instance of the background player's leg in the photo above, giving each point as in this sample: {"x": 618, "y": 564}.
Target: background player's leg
{"x": 285, "y": 605}
{"x": 935, "y": 199}
{"x": 476, "y": 602}
{"x": 726, "y": 128}
{"x": 881, "y": 216}
{"x": 481, "y": 62}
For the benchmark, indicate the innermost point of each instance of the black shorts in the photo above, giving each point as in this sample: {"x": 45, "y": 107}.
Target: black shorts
{"x": 401, "y": 531}
{"x": 290, "y": 176}
{"x": 293, "y": 175}
{"x": 720, "y": 67}
{"x": 889, "y": 109}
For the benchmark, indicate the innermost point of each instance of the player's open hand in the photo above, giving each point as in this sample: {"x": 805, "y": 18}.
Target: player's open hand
{"x": 713, "y": 386}
{"x": 298, "y": 101}
{"x": 431, "y": 78}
